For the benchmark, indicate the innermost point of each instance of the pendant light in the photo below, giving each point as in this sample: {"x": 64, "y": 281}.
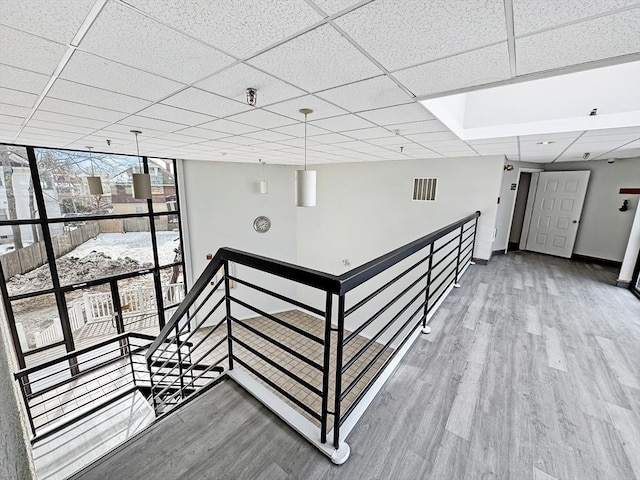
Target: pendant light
{"x": 305, "y": 179}
{"x": 264, "y": 186}
{"x": 94, "y": 182}
{"x": 141, "y": 181}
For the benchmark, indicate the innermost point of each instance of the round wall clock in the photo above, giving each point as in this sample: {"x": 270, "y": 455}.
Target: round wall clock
{"x": 262, "y": 224}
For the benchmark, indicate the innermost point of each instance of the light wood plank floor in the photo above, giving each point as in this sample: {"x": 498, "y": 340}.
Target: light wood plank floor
{"x": 531, "y": 372}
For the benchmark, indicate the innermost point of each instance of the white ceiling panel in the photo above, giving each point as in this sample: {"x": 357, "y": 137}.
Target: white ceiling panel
{"x": 237, "y": 27}
{"x": 51, "y": 132}
{"x": 227, "y": 126}
{"x": 203, "y": 133}
{"x": 102, "y": 73}
{"x": 496, "y": 149}
{"x": 17, "y": 98}
{"x": 234, "y": 81}
{"x": 334, "y": 6}
{"x": 262, "y": 118}
{"x": 75, "y": 130}
{"x": 57, "y": 21}
{"x": 297, "y": 130}
{"x": 9, "y": 120}
{"x": 402, "y": 34}
{"x": 269, "y": 136}
{"x": 173, "y": 114}
{"x": 23, "y": 80}
{"x": 306, "y": 61}
{"x": 14, "y": 110}
{"x": 399, "y": 114}
{"x": 120, "y": 34}
{"x": 80, "y": 110}
{"x": 331, "y": 138}
{"x": 391, "y": 141}
{"x": 40, "y": 140}
{"x": 614, "y": 131}
{"x": 507, "y": 140}
{"x": 76, "y": 92}
{"x": 367, "y": 95}
{"x": 604, "y": 37}
{"x": 141, "y": 123}
{"x": 368, "y": 133}
{"x": 27, "y": 51}
{"x": 205, "y": 102}
{"x": 533, "y": 15}
{"x": 342, "y": 123}
{"x": 409, "y": 128}
{"x": 321, "y": 109}
{"x": 432, "y": 137}
{"x": 478, "y": 67}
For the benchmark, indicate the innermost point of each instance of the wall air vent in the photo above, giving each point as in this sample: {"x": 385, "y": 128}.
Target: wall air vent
{"x": 424, "y": 189}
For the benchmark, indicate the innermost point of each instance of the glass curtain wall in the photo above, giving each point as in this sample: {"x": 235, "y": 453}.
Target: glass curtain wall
{"x": 66, "y": 253}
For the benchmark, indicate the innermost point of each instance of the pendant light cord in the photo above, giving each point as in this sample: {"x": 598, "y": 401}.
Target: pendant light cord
{"x": 138, "y": 151}
{"x": 305, "y": 141}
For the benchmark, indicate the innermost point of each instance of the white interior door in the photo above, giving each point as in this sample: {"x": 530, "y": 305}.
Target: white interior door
{"x": 556, "y": 212}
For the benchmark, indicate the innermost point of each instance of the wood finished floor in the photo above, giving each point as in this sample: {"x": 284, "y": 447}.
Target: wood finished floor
{"x": 531, "y": 372}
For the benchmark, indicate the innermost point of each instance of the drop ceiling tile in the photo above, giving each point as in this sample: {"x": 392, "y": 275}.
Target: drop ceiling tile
{"x": 227, "y": 126}
{"x": 29, "y": 52}
{"x": 142, "y": 123}
{"x": 410, "y": 128}
{"x": 205, "y": 102}
{"x": 606, "y": 37}
{"x": 450, "y": 153}
{"x": 401, "y": 113}
{"x": 176, "y": 115}
{"x": 621, "y": 138}
{"x": 392, "y": 141}
{"x": 9, "y": 120}
{"x": 331, "y": 138}
{"x": 478, "y": 67}
{"x": 75, "y": 92}
{"x": 124, "y": 132}
{"x": 530, "y": 15}
{"x": 334, "y": 6}
{"x": 297, "y": 130}
{"x": 237, "y": 27}
{"x": 482, "y": 141}
{"x": 57, "y": 21}
{"x": 321, "y": 109}
{"x": 203, "y": 133}
{"x": 102, "y": 73}
{"x": 38, "y": 140}
{"x": 17, "y": 98}
{"x": 295, "y": 142}
{"x": 61, "y": 135}
{"x": 343, "y": 123}
{"x": 432, "y": 137}
{"x": 269, "y": 136}
{"x": 613, "y": 131}
{"x": 14, "y": 110}
{"x": 73, "y": 129}
{"x": 68, "y": 120}
{"x": 367, "y": 95}
{"x": 368, "y": 133}
{"x": 121, "y": 34}
{"x": 262, "y": 119}
{"x": 80, "y": 110}
{"x": 234, "y": 81}
{"x": 499, "y": 149}
{"x": 559, "y": 137}
{"x": 306, "y": 61}
{"x": 401, "y": 34}
{"x": 243, "y": 141}
{"x": 23, "y": 80}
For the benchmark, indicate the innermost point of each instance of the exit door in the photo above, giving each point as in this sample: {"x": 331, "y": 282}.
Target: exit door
{"x": 556, "y": 212}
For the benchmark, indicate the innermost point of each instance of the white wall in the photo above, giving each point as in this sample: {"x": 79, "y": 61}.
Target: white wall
{"x": 507, "y": 199}
{"x": 604, "y": 231}
{"x": 221, "y": 201}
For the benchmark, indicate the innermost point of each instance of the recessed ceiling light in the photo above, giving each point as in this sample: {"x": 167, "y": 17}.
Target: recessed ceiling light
{"x": 546, "y": 142}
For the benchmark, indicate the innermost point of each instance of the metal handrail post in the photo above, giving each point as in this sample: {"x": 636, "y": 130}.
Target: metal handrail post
{"x": 179, "y": 347}
{"x": 26, "y": 404}
{"x": 456, "y": 284}
{"x": 133, "y": 372}
{"x": 338, "y": 386}
{"x": 428, "y": 292}
{"x": 227, "y": 293}
{"x": 325, "y": 365}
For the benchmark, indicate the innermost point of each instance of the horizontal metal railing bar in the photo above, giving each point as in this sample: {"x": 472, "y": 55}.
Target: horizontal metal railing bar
{"x": 197, "y": 345}
{"x": 277, "y": 320}
{"x": 71, "y": 411}
{"x": 444, "y": 269}
{"x": 359, "y": 275}
{"x": 191, "y": 384}
{"x": 441, "y": 247}
{"x": 470, "y": 227}
{"x": 282, "y": 346}
{"x": 437, "y": 299}
{"x": 77, "y": 386}
{"x": 279, "y": 389}
{"x": 216, "y": 345}
{"x": 466, "y": 247}
{"x": 279, "y": 367}
{"x": 46, "y": 347}
{"x": 441, "y": 260}
{"x": 375, "y": 337}
{"x": 364, "y": 371}
{"x": 468, "y": 237}
{"x": 279, "y": 296}
{"x": 362, "y": 302}
{"x": 82, "y": 351}
{"x": 84, "y": 414}
{"x": 375, "y": 377}
{"x": 192, "y": 332}
{"x": 384, "y": 308}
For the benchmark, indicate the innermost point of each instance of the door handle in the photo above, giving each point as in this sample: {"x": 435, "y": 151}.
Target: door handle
{"x": 574, "y": 221}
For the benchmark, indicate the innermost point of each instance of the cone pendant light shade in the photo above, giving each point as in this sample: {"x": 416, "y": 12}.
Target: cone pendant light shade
{"x": 305, "y": 188}
{"x": 95, "y": 185}
{"x": 141, "y": 181}
{"x": 305, "y": 179}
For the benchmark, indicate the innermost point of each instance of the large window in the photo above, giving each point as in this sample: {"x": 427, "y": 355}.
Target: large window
{"x": 66, "y": 254}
